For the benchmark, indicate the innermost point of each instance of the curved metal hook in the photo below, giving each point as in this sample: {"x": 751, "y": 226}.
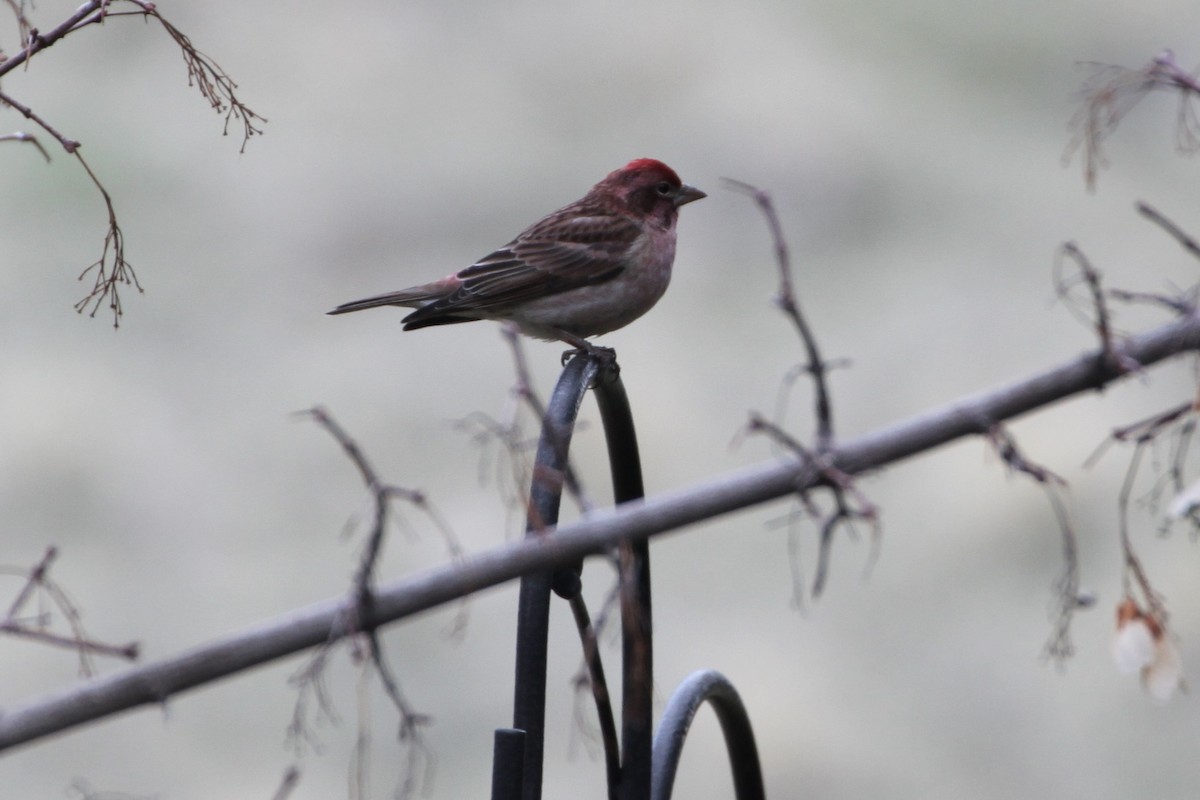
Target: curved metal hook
{"x": 714, "y": 687}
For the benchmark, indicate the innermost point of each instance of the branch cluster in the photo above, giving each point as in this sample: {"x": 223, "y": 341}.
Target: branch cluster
{"x": 112, "y": 270}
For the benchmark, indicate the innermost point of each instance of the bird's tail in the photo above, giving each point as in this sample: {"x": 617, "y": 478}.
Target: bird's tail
{"x": 408, "y": 298}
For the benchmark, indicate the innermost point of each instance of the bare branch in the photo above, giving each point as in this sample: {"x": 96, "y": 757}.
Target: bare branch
{"x": 1180, "y": 305}
{"x": 786, "y": 300}
{"x": 1154, "y": 215}
{"x": 24, "y": 26}
{"x": 70, "y": 145}
{"x": 363, "y": 620}
{"x": 596, "y": 534}
{"x": 1100, "y": 316}
{"x": 287, "y": 784}
{"x": 35, "y": 41}
{"x": 590, "y": 677}
{"x": 211, "y": 80}
{"x": 850, "y": 504}
{"x": 29, "y": 138}
{"x": 84, "y": 791}
{"x": 524, "y": 391}
{"x": 213, "y": 83}
{"x": 35, "y": 627}
{"x": 1134, "y": 572}
{"x": 1067, "y": 595}
{"x": 1111, "y": 92}
{"x": 112, "y": 270}
{"x": 107, "y": 276}
{"x": 1180, "y": 420}
{"x": 1006, "y": 447}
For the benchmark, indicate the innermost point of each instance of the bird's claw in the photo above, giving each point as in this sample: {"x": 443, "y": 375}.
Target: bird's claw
{"x": 605, "y": 359}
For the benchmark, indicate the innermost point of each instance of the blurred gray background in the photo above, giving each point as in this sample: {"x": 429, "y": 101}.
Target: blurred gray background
{"x": 914, "y": 151}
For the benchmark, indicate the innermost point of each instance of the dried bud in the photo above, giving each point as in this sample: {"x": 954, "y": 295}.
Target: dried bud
{"x": 1142, "y": 645}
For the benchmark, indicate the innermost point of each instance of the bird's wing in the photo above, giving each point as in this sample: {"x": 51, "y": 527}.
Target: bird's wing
{"x": 545, "y": 260}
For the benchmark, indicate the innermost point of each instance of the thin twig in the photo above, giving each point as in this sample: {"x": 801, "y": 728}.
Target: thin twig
{"x": 1101, "y": 318}
{"x": 843, "y": 489}
{"x": 844, "y": 513}
{"x": 24, "y": 26}
{"x": 1067, "y": 596}
{"x": 39, "y": 584}
{"x": 1134, "y": 571}
{"x": 107, "y": 277}
{"x": 70, "y": 145}
{"x": 112, "y": 269}
{"x": 363, "y": 618}
{"x": 18, "y": 136}
{"x": 1180, "y": 305}
{"x": 591, "y": 676}
{"x": 287, "y": 784}
{"x": 785, "y": 299}
{"x": 1111, "y": 92}
{"x": 525, "y": 392}
{"x": 213, "y": 83}
{"x": 35, "y": 41}
{"x": 1154, "y": 215}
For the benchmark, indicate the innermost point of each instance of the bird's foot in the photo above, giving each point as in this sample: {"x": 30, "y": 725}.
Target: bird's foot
{"x": 606, "y": 357}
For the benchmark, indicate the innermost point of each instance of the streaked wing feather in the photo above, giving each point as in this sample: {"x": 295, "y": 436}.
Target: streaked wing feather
{"x": 545, "y": 260}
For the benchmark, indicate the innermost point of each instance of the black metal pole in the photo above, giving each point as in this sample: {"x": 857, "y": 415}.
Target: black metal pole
{"x": 508, "y": 764}
{"x": 533, "y": 614}
{"x": 637, "y": 652}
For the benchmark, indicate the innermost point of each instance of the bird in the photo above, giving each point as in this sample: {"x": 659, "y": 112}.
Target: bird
{"x": 589, "y": 268}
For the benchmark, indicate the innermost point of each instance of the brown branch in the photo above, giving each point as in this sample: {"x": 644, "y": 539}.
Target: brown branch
{"x": 84, "y": 791}
{"x": 1143, "y": 434}
{"x": 1006, "y": 447}
{"x": 107, "y": 277}
{"x": 785, "y": 299}
{"x": 70, "y": 145}
{"x": 28, "y": 138}
{"x": 24, "y": 26}
{"x": 840, "y": 484}
{"x": 1134, "y": 572}
{"x": 1154, "y": 215}
{"x": 37, "y": 576}
{"x": 850, "y": 504}
{"x": 419, "y": 758}
{"x": 287, "y": 784}
{"x": 1141, "y": 430}
{"x": 508, "y": 465}
{"x": 213, "y": 83}
{"x": 590, "y": 676}
{"x": 112, "y": 270}
{"x": 361, "y": 617}
{"x": 524, "y": 391}
{"x": 35, "y": 41}
{"x": 1101, "y": 317}
{"x": 38, "y": 584}
{"x": 1179, "y": 305}
{"x": 1067, "y": 595}
{"x": 1111, "y": 92}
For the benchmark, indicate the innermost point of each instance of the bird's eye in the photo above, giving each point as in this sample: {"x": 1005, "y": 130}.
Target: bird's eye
{"x": 663, "y": 188}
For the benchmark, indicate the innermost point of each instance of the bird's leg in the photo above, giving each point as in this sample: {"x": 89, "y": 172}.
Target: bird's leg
{"x": 605, "y": 355}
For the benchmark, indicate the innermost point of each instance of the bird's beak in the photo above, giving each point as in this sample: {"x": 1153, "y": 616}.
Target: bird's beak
{"x": 687, "y": 194}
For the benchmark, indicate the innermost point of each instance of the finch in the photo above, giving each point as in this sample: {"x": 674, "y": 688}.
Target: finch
{"x": 589, "y": 268}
